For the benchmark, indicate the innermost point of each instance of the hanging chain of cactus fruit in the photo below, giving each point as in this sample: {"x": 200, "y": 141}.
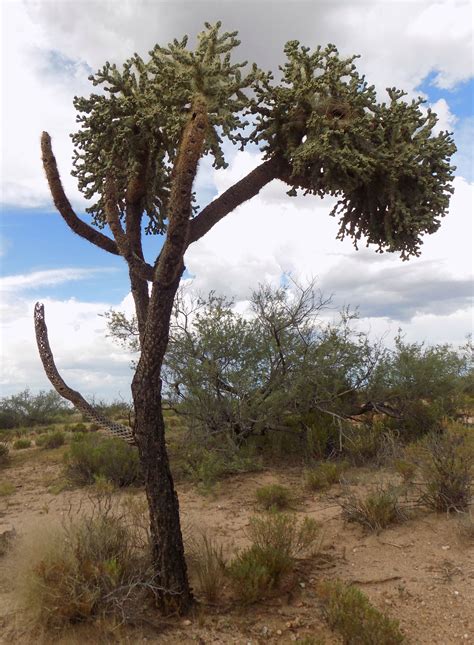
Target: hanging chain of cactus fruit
{"x": 391, "y": 174}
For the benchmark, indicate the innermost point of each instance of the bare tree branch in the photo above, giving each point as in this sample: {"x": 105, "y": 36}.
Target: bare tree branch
{"x": 46, "y": 355}
{"x": 136, "y": 264}
{"x": 237, "y": 194}
{"x": 63, "y": 205}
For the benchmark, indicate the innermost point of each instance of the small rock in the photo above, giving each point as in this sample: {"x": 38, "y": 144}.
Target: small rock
{"x": 279, "y": 632}
{"x": 186, "y": 622}
{"x": 265, "y": 630}
{"x": 302, "y": 585}
{"x": 446, "y": 547}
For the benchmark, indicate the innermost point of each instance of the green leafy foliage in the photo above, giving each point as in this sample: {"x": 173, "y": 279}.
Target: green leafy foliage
{"x": 91, "y": 456}
{"x": 350, "y": 612}
{"x": 27, "y": 409}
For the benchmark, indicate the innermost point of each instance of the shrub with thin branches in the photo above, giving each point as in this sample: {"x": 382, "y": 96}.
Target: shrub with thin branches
{"x": 277, "y": 540}
{"x": 448, "y": 468}
{"x": 94, "y": 565}
{"x": 375, "y": 511}
{"x": 274, "y": 496}
{"x": 350, "y": 612}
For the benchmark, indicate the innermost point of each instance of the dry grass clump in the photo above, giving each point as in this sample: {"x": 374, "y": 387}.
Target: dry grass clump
{"x": 406, "y": 469}
{"x": 274, "y": 497}
{"x": 277, "y": 540}
{"x": 375, "y": 511}
{"x": 207, "y": 566}
{"x": 4, "y": 454}
{"x": 51, "y": 440}
{"x": 447, "y": 465}
{"x": 6, "y": 489}
{"x": 96, "y": 565}
{"x": 324, "y": 475}
{"x": 21, "y": 444}
{"x": 350, "y": 612}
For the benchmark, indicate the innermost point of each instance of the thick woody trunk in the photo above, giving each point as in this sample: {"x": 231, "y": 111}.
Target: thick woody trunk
{"x": 166, "y": 538}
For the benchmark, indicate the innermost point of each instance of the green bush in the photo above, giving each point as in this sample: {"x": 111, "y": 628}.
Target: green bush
{"x": 77, "y": 427}
{"x": 51, "y": 440}
{"x": 93, "y": 566}
{"x": 324, "y": 475}
{"x": 375, "y": 511}
{"x": 276, "y": 541}
{"x": 274, "y": 496}
{"x": 406, "y": 469}
{"x": 21, "y": 444}
{"x": 447, "y": 464}
{"x": 92, "y": 456}
{"x": 4, "y": 454}
{"x": 350, "y": 612}
{"x": 363, "y": 443}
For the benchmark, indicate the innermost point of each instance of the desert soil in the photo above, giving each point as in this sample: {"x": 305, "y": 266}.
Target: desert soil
{"x": 419, "y": 572}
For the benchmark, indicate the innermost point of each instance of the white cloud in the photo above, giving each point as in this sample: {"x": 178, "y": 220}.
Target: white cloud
{"x": 274, "y": 233}
{"x": 47, "y": 278}
{"x": 50, "y": 46}
{"x": 85, "y": 357}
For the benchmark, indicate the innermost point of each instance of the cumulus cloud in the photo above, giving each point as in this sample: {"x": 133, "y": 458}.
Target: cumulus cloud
{"x": 47, "y": 278}
{"x": 50, "y": 47}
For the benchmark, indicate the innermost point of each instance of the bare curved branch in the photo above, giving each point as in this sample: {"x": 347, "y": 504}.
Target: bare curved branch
{"x": 237, "y": 194}
{"x": 64, "y": 206}
{"x": 46, "y": 355}
{"x": 136, "y": 264}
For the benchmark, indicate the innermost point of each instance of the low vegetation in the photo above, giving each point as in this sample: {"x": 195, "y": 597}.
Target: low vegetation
{"x": 323, "y": 475}
{"x": 448, "y": 469}
{"x": 91, "y": 456}
{"x": 21, "y": 444}
{"x": 274, "y": 497}
{"x": 277, "y": 540}
{"x": 93, "y": 566}
{"x": 350, "y": 612}
{"x": 51, "y": 440}
{"x": 375, "y": 511}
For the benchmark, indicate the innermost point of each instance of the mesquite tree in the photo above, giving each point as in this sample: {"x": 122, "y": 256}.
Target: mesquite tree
{"x": 321, "y": 131}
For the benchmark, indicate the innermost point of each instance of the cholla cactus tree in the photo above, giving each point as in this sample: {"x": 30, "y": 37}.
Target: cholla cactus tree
{"x": 137, "y": 153}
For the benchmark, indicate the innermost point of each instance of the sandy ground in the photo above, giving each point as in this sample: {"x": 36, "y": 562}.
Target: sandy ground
{"x": 419, "y": 572}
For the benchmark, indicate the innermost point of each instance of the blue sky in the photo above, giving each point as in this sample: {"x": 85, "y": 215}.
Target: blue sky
{"x": 426, "y": 50}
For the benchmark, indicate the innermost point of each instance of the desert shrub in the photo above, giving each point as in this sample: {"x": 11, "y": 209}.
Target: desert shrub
{"x": 6, "y": 489}
{"x": 27, "y": 409}
{"x": 93, "y": 427}
{"x": 4, "y": 454}
{"x": 274, "y": 496}
{"x": 21, "y": 444}
{"x": 350, "y": 612}
{"x": 95, "y": 565}
{"x": 92, "y": 456}
{"x": 77, "y": 427}
{"x": 323, "y": 475}
{"x": 206, "y": 562}
{"x": 406, "y": 469}
{"x": 51, "y": 440}
{"x": 276, "y": 541}
{"x": 375, "y": 511}
{"x": 363, "y": 443}
{"x": 447, "y": 465}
